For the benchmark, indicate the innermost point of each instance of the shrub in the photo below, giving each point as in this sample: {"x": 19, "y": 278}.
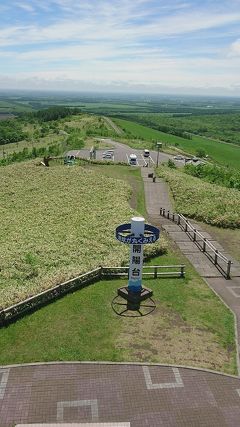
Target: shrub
{"x": 206, "y": 202}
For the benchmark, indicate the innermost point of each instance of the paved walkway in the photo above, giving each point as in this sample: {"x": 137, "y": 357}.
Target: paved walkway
{"x": 143, "y": 396}
{"x": 156, "y": 196}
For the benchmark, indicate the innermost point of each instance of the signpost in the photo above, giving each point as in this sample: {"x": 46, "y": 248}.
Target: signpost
{"x": 159, "y": 145}
{"x": 136, "y": 234}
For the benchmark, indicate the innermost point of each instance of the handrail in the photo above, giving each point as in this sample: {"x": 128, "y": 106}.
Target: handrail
{"x": 208, "y": 243}
{"x": 184, "y": 223}
{"x": 123, "y": 271}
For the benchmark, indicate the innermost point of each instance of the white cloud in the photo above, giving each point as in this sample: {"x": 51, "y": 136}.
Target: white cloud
{"x": 235, "y": 48}
{"x": 25, "y": 6}
{"x": 134, "y": 42}
{"x": 110, "y": 24}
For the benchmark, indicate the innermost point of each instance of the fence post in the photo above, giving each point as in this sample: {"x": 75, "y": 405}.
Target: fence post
{"x": 182, "y": 271}
{"x": 186, "y": 225}
{"x": 173, "y": 217}
{"x": 216, "y": 257}
{"x": 160, "y": 212}
{"x": 204, "y": 244}
{"x": 178, "y": 220}
{"x": 168, "y": 213}
{"x": 163, "y": 212}
{"x": 155, "y": 272}
{"x": 2, "y": 318}
{"x": 228, "y": 269}
{"x": 194, "y": 235}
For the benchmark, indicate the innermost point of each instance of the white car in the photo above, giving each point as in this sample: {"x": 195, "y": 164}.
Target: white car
{"x": 132, "y": 159}
{"x": 107, "y": 156}
{"x": 146, "y": 153}
{"x": 178, "y": 157}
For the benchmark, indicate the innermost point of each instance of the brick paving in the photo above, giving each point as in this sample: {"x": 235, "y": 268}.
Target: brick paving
{"x": 113, "y": 393}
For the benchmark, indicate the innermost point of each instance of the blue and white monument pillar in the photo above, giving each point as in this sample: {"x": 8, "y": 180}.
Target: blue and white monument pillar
{"x": 136, "y": 234}
{"x": 136, "y": 256}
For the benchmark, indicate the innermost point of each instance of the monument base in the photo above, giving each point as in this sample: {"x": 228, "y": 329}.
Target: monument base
{"x": 133, "y": 304}
{"x": 134, "y": 299}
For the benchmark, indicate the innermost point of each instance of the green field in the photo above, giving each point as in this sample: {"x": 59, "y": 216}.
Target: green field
{"x": 224, "y": 127}
{"x": 13, "y": 107}
{"x": 224, "y": 154}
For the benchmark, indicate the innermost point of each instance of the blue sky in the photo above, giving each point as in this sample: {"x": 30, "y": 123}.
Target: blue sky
{"x": 121, "y": 45}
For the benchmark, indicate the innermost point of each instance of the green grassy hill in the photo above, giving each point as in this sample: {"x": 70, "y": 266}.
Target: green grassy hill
{"x": 224, "y": 154}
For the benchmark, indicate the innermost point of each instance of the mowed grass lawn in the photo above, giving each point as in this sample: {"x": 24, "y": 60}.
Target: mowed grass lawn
{"x": 190, "y": 326}
{"x": 224, "y": 154}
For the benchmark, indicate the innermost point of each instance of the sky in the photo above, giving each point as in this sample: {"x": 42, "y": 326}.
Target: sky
{"x": 138, "y": 46}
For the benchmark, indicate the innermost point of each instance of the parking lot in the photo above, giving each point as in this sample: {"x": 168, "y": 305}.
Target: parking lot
{"x": 121, "y": 153}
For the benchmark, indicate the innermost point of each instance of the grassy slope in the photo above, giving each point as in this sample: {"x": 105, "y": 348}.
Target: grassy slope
{"x": 85, "y": 126}
{"x": 50, "y": 220}
{"x": 224, "y": 127}
{"x": 206, "y": 202}
{"x": 220, "y": 152}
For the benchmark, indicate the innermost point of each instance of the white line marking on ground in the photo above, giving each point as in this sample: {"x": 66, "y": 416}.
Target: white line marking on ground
{"x": 152, "y": 160}
{"x": 144, "y": 160}
{"x": 76, "y": 425}
{"x": 231, "y": 289}
{"x": 127, "y": 158}
{"x": 77, "y": 403}
{"x": 151, "y": 386}
{"x": 3, "y": 383}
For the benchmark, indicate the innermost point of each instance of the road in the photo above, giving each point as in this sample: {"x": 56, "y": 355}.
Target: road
{"x": 122, "y": 153}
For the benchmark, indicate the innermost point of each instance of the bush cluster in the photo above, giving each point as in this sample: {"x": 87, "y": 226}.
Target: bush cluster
{"x": 206, "y": 202}
{"x": 226, "y": 177}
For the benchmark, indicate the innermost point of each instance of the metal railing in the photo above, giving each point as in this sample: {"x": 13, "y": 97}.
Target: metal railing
{"x": 148, "y": 270}
{"x": 222, "y": 263}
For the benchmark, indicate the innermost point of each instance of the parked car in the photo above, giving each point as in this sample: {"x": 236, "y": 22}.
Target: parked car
{"x": 179, "y": 157}
{"x": 107, "y": 155}
{"x": 146, "y": 153}
{"x": 132, "y": 159}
